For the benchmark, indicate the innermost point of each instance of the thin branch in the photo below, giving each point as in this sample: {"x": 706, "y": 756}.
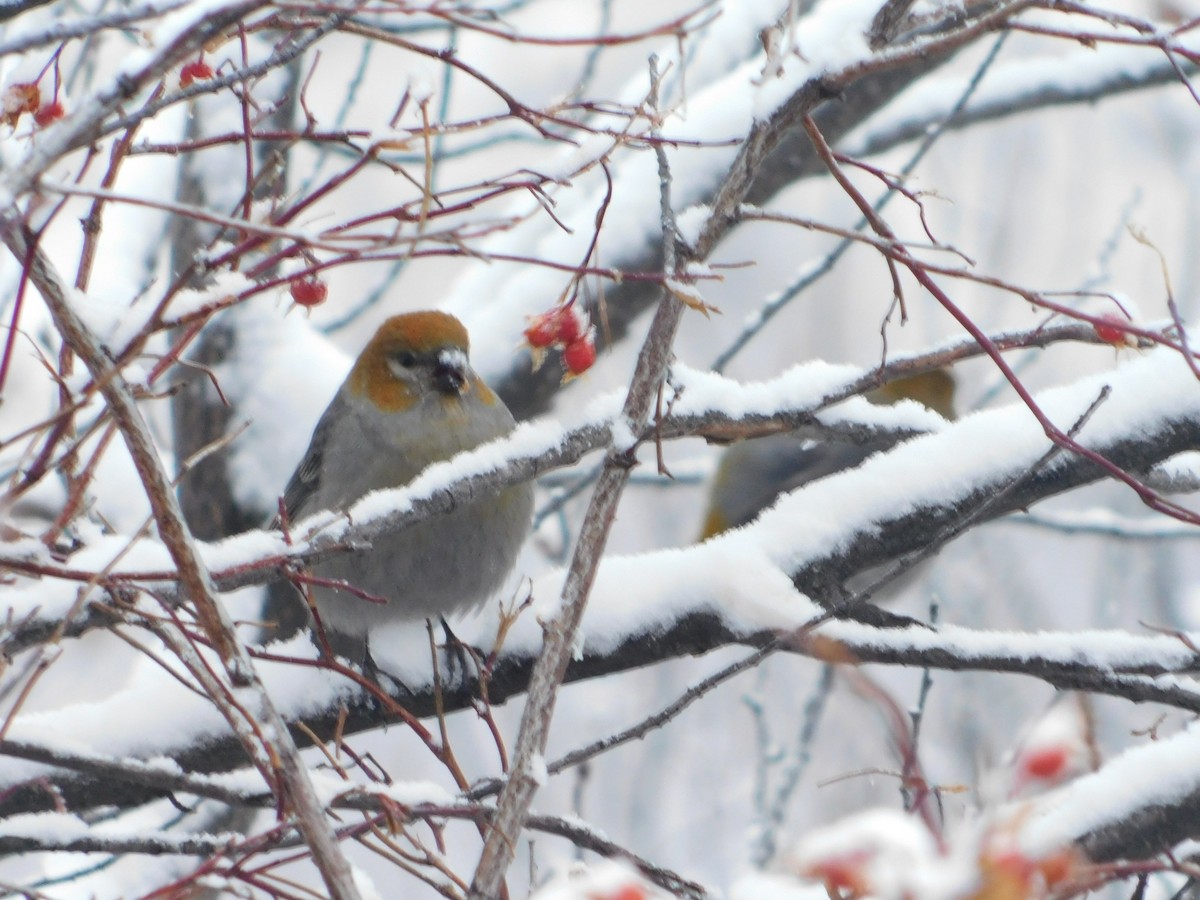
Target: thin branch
{"x": 278, "y": 759}
{"x": 559, "y": 635}
{"x": 65, "y": 31}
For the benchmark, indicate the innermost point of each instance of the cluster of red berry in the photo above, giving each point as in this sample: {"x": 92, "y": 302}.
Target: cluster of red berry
{"x": 565, "y": 327}
{"x": 26, "y": 97}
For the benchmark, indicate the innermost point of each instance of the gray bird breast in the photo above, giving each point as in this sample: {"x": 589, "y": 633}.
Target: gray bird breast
{"x": 444, "y": 565}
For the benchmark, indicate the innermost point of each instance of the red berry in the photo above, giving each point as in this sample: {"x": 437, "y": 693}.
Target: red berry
{"x": 569, "y": 327}
{"x": 560, "y": 325}
{"x": 579, "y": 355}
{"x": 542, "y": 331}
{"x": 309, "y": 292}
{"x": 1059, "y": 866}
{"x": 49, "y": 112}
{"x": 1045, "y": 763}
{"x": 198, "y": 70}
{"x": 843, "y": 874}
{"x": 1112, "y": 329}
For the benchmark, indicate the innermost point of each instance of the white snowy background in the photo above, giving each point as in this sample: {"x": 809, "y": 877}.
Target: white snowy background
{"x": 1045, "y": 199}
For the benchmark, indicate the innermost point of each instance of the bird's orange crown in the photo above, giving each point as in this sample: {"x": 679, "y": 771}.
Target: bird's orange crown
{"x": 419, "y": 332}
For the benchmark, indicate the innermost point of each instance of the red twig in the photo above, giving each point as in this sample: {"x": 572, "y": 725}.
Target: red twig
{"x": 18, "y": 304}
{"x": 898, "y": 252}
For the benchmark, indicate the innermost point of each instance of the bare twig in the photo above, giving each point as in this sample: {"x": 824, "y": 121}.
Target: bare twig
{"x": 559, "y": 636}
{"x": 281, "y": 762}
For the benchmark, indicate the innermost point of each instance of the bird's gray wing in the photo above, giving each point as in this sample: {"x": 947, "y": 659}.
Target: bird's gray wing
{"x": 306, "y": 480}
{"x": 284, "y": 608}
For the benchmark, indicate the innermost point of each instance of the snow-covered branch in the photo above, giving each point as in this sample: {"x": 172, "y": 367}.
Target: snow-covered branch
{"x": 805, "y": 399}
{"x": 676, "y": 602}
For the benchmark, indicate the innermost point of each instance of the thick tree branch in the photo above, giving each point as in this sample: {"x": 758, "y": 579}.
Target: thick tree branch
{"x": 555, "y": 450}
{"x": 702, "y": 628}
{"x": 776, "y": 156}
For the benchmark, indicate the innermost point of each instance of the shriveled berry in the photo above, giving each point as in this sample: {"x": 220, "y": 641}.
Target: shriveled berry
{"x": 23, "y": 97}
{"x": 1059, "y": 866}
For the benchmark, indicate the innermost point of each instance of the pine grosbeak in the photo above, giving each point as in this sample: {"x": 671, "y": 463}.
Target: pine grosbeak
{"x": 411, "y": 399}
{"x": 753, "y": 473}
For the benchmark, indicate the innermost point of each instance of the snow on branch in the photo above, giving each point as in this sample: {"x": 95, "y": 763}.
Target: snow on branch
{"x": 742, "y": 117}
{"x": 1093, "y": 660}
{"x": 1013, "y": 88}
{"x": 816, "y": 399}
{"x": 739, "y": 587}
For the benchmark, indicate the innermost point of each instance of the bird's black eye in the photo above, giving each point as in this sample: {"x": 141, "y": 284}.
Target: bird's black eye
{"x": 406, "y": 359}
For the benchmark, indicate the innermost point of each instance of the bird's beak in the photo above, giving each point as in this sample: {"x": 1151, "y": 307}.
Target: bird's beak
{"x": 450, "y": 372}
